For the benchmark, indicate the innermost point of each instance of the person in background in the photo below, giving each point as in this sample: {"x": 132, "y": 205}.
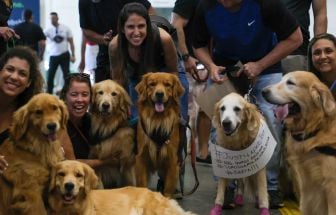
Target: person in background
{"x": 259, "y": 34}
{"x": 322, "y": 59}
{"x": 31, "y": 34}
{"x": 98, "y": 20}
{"x": 88, "y": 63}
{"x": 297, "y": 60}
{"x": 6, "y": 33}
{"x": 182, "y": 17}
{"x": 59, "y": 36}
{"x": 77, "y": 94}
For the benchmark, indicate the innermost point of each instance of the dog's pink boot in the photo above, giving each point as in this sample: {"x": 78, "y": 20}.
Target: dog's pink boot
{"x": 239, "y": 200}
{"x": 264, "y": 211}
{"x": 216, "y": 210}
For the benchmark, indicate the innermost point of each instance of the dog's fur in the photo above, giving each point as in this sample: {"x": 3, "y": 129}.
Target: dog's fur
{"x": 237, "y": 124}
{"x": 31, "y": 150}
{"x": 312, "y": 116}
{"x": 115, "y": 138}
{"x": 159, "y": 118}
{"x": 71, "y": 193}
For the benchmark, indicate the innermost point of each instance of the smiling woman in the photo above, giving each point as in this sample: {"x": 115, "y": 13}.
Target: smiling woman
{"x": 76, "y": 94}
{"x": 322, "y": 59}
{"x": 20, "y": 79}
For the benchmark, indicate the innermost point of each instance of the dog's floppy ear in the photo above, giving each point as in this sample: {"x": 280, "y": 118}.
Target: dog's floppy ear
{"x": 216, "y": 116}
{"x": 90, "y": 179}
{"x": 178, "y": 89}
{"x": 52, "y": 184}
{"x": 141, "y": 88}
{"x": 125, "y": 100}
{"x": 65, "y": 114}
{"x": 322, "y": 97}
{"x": 20, "y": 125}
{"x": 251, "y": 116}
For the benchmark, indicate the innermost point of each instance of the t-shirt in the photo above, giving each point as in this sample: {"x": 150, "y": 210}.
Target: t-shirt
{"x": 3, "y": 136}
{"x": 245, "y": 35}
{"x": 300, "y": 10}
{"x": 80, "y": 137}
{"x": 30, "y": 34}
{"x": 186, "y": 9}
{"x": 61, "y": 31}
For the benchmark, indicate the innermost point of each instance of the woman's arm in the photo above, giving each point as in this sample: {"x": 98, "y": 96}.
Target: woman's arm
{"x": 67, "y": 145}
{"x": 170, "y": 53}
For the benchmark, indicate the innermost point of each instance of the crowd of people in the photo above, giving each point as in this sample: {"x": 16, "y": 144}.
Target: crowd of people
{"x": 268, "y": 37}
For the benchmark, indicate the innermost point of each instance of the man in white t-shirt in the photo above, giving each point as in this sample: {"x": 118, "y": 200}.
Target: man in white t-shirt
{"x": 59, "y": 36}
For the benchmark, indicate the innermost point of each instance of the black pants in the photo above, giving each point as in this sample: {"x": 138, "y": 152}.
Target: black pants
{"x": 62, "y": 60}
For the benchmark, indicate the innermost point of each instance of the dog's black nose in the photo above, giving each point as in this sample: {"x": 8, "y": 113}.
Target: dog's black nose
{"x": 106, "y": 105}
{"x": 69, "y": 186}
{"x": 265, "y": 92}
{"x": 159, "y": 95}
{"x": 226, "y": 123}
{"x": 51, "y": 126}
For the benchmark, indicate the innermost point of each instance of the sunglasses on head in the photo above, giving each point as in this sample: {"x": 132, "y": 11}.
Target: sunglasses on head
{"x": 78, "y": 75}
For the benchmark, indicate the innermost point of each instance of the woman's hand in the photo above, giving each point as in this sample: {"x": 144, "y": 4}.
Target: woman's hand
{"x": 3, "y": 164}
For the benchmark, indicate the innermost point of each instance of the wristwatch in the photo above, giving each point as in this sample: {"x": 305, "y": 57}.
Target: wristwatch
{"x": 185, "y": 57}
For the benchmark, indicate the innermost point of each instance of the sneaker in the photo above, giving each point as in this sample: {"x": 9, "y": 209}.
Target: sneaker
{"x": 275, "y": 199}
{"x": 207, "y": 160}
{"x": 229, "y": 198}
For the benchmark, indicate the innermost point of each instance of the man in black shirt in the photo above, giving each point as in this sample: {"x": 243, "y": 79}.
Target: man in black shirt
{"x": 31, "y": 34}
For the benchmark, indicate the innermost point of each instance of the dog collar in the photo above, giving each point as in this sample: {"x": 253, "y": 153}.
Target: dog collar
{"x": 303, "y": 136}
{"x": 327, "y": 150}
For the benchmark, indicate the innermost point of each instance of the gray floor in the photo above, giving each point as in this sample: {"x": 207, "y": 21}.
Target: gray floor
{"x": 203, "y": 199}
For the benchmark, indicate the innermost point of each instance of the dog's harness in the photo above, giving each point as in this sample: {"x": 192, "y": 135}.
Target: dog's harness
{"x": 327, "y": 150}
{"x": 158, "y": 136}
{"x": 98, "y": 138}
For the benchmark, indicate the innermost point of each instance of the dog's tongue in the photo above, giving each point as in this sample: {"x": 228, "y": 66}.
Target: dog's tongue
{"x": 281, "y": 112}
{"x": 52, "y": 136}
{"x": 68, "y": 197}
{"x": 159, "y": 107}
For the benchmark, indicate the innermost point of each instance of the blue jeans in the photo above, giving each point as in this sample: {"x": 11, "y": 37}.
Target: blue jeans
{"x": 273, "y": 166}
{"x": 183, "y": 101}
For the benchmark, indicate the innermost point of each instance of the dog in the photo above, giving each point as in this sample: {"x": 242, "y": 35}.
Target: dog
{"x": 237, "y": 124}
{"x": 115, "y": 138}
{"x": 32, "y": 149}
{"x": 71, "y": 192}
{"x": 158, "y": 136}
{"x": 308, "y": 110}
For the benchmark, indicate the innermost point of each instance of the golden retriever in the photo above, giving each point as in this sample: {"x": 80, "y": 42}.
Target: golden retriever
{"x": 237, "y": 124}
{"x": 71, "y": 192}
{"x": 32, "y": 149}
{"x": 309, "y": 112}
{"x": 158, "y": 136}
{"x": 115, "y": 138}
